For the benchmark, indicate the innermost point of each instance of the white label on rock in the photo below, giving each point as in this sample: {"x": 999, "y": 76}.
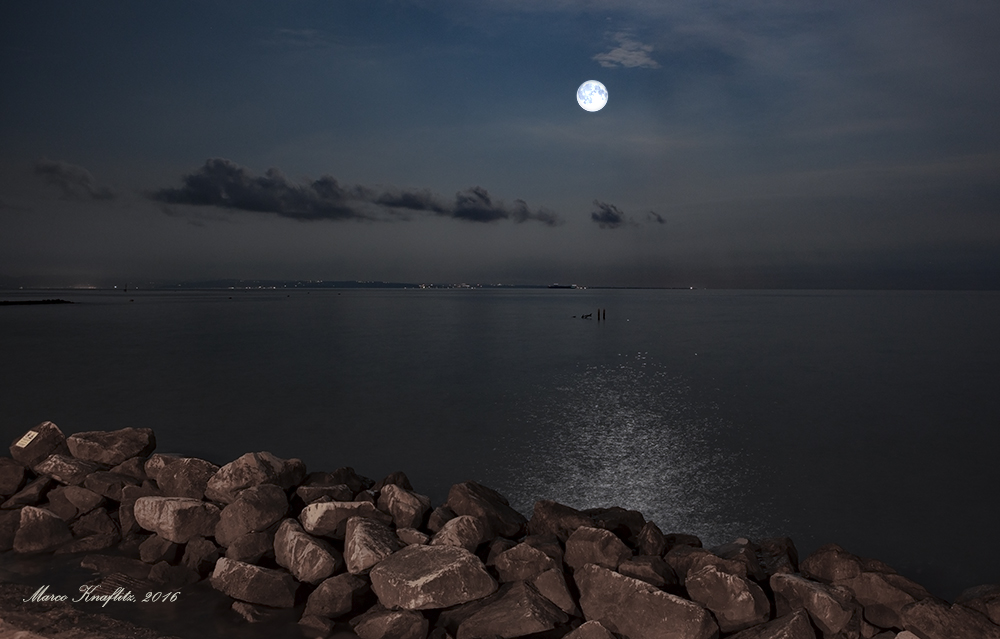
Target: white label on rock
{"x": 28, "y": 437}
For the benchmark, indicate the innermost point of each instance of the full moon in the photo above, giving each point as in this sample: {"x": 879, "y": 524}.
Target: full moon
{"x": 592, "y": 96}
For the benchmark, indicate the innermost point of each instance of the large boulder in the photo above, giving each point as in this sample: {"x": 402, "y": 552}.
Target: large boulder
{"x": 831, "y": 563}
{"x": 329, "y": 519}
{"x": 31, "y": 495}
{"x": 793, "y": 626}
{"x": 651, "y": 540}
{"x": 251, "y": 547}
{"x": 126, "y": 510}
{"x": 38, "y": 443}
{"x": 379, "y": 623}
{"x": 549, "y": 517}
{"x": 96, "y": 522}
{"x": 40, "y": 531}
{"x": 112, "y": 447}
{"x": 176, "y": 518}
{"x": 745, "y": 552}
{"x": 430, "y": 577}
{"x": 155, "y": 549}
{"x": 65, "y": 470}
{"x": 83, "y": 499}
{"x": 884, "y": 595}
{"x": 627, "y": 524}
{"x": 253, "y": 469}
{"x": 408, "y": 509}
{"x": 552, "y": 585}
{"x": 337, "y": 596}
{"x": 736, "y": 602}
{"x": 366, "y": 543}
{"x": 589, "y": 545}
{"x": 522, "y": 562}
{"x": 200, "y": 555}
{"x": 13, "y": 476}
{"x": 254, "y": 584}
{"x": 464, "y": 531}
{"x": 490, "y": 507}
{"x": 649, "y": 568}
{"x": 255, "y": 510}
{"x": 518, "y": 610}
{"x": 933, "y": 619}
{"x": 984, "y": 599}
{"x": 590, "y": 630}
{"x": 108, "y": 484}
{"x": 309, "y": 559}
{"x": 831, "y": 608}
{"x": 684, "y": 558}
{"x": 777, "y": 554}
{"x": 186, "y": 477}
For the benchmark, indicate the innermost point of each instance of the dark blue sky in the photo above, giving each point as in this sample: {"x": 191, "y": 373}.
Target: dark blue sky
{"x": 760, "y": 143}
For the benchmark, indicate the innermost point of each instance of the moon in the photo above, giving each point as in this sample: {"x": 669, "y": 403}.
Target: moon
{"x": 592, "y": 96}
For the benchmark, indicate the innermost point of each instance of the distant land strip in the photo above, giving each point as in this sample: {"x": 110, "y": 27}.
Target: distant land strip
{"x": 26, "y": 302}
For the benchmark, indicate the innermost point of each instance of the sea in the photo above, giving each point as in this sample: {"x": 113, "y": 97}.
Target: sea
{"x": 870, "y": 419}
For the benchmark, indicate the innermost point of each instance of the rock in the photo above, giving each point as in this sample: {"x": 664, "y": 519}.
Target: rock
{"x": 108, "y": 565}
{"x": 126, "y": 510}
{"x": 156, "y": 549}
{"x": 831, "y": 563}
{"x": 311, "y": 494}
{"x": 186, "y": 477}
{"x": 82, "y": 499}
{"x": 932, "y": 619}
{"x": 347, "y": 475}
{"x": 96, "y": 522}
{"x": 884, "y": 595}
{"x": 200, "y": 555}
{"x": 367, "y": 542}
{"x": 64, "y": 469}
{"x": 367, "y": 495}
{"x": 256, "y": 509}
{"x": 736, "y": 602}
{"x": 156, "y": 463}
{"x": 9, "y": 521}
{"x": 40, "y": 531}
{"x": 651, "y": 540}
{"x": 309, "y": 559}
{"x": 495, "y": 547}
{"x": 549, "y": 517}
{"x": 176, "y": 518}
{"x": 337, "y": 596}
{"x": 31, "y": 495}
{"x": 984, "y": 599}
{"x": 329, "y": 519}
{"x": 112, "y": 447}
{"x": 39, "y": 443}
{"x": 464, "y": 531}
{"x": 173, "y": 576}
{"x": 60, "y": 505}
{"x": 438, "y": 517}
{"x": 254, "y": 584}
{"x": 589, "y": 545}
{"x": 251, "y": 547}
{"x": 548, "y": 544}
{"x": 379, "y": 623}
{"x": 627, "y": 524}
{"x": 793, "y": 626}
{"x": 411, "y": 536}
{"x": 133, "y": 467}
{"x": 777, "y": 555}
{"x": 13, "y": 476}
{"x": 397, "y": 478}
{"x": 408, "y": 509}
{"x": 253, "y": 469}
{"x": 429, "y": 577}
{"x": 638, "y": 610}
{"x": 110, "y": 485}
{"x": 745, "y": 552}
{"x": 89, "y": 543}
{"x": 649, "y": 568}
{"x": 490, "y": 507}
{"x": 518, "y": 610}
{"x": 253, "y": 613}
{"x": 831, "y": 609}
{"x": 590, "y": 630}
{"x": 316, "y": 626}
{"x": 681, "y": 539}
{"x": 683, "y": 559}
{"x": 522, "y": 562}
{"x": 552, "y": 585}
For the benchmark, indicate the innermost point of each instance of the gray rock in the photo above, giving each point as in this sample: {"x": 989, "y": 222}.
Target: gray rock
{"x": 390, "y": 624}
{"x": 522, "y": 562}
{"x": 464, "y": 531}
{"x": 490, "y": 507}
{"x": 651, "y": 540}
{"x": 831, "y": 609}
{"x": 329, "y": 519}
{"x": 251, "y": 547}
{"x": 156, "y": 549}
{"x": 831, "y": 563}
{"x": 518, "y": 610}
{"x": 176, "y": 518}
{"x": 933, "y": 619}
{"x": 408, "y": 509}
{"x": 254, "y": 584}
{"x": 40, "y": 531}
{"x": 552, "y": 585}
{"x": 112, "y": 447}
{"x": 589, "y": 545}
{"x": 649, "y": 568}
{"x": 13, "y": 476}
{"x": 984, "y": 599}
{"x": 438, "y": 517}
{"x": 338, "y": 596}
{"x": 793, "y": 626}
{"x": 186, "y": 477}
{"x": 133, "y": 467}
{"x": 549, "y": 517}
{"x": 638, "y": 610}
{"x": 39, "y": 443}
{"x": 429, "y": 577}
{"x": 110, "y": 485}
{"x": 31, "y": 495}
{"x": 366, "y": 543}
{"x": 309, "y": 559}
{"x": 255, "y": 510}
{"x": 590, "y": 630}
{"x": 736, "y": 602}
{"x": 64, "y": 469}
{"x": 411, "y": 536}
{"x": 253, "y": 469}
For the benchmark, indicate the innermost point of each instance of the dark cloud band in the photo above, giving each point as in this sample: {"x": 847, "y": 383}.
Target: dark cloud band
{"x": 75, "y": 182}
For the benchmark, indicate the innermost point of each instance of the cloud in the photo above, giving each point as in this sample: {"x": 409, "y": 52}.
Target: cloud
{"x": 75, "y": 182}
{"x": 629, "y": 53}
{"x": 224, "y": 184}
{"x": 653, "y": 216}
{"x": 608, "y": 216}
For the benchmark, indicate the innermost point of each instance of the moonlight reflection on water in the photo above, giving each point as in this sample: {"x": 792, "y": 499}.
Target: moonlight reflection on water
{"x": 629, "y": 435}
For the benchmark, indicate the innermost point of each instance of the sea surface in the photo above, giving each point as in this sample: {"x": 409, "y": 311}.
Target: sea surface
{"x": 866, "y": 418}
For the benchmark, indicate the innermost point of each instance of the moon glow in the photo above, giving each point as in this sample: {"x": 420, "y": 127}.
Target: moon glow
{"x": 592, "y": 96}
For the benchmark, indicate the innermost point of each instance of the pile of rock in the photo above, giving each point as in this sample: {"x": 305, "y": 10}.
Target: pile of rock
{"x": 377, "y": 555}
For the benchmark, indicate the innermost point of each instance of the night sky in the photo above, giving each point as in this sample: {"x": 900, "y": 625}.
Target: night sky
{"x": 745, "y": 144}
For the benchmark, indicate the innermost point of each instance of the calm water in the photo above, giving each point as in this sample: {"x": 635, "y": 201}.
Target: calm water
{"x": 870, "y": 419}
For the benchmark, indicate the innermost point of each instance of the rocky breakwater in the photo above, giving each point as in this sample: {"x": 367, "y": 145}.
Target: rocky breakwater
{"x": 342, "y": 548}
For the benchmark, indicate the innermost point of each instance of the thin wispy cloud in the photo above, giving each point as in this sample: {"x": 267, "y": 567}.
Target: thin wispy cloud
{"x": 609, "y": 216}
{"x": 630, "y": 53}
{"x": 225, "y": 184}
{"x": 75, "y": 182}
